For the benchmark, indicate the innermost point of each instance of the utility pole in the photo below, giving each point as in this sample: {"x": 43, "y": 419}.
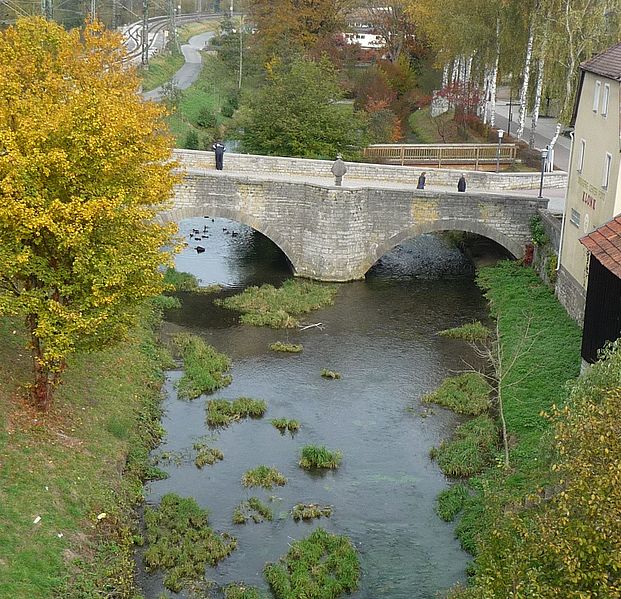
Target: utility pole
{"x": 93, "y": 9}
{"x": 145, "y": 33}
{"x": 241, "y": 52}
{"x": 46, "y": 9}
{"x": 172, "y": 25}
{"x": 115, "y": 14}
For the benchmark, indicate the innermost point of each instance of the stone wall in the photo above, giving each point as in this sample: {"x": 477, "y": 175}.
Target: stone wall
{"x": 337, "y": 234}
{"x": 545, "y": 258}
{"x": 571, "y": 294}
{"x": 480, "y": 180}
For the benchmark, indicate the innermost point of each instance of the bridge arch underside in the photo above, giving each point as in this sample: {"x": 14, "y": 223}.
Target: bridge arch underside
{"x": 466, "y": 226}
{"x": 179, "y": 214}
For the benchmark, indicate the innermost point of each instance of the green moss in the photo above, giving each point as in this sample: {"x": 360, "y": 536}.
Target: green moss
{"x": 470, "y": 449}
{"x": 322, "y": 566}
{"x": 467, "y": 393}
{"x": 314, "y": 456}
{"x": 473, "y": 332}
{"x": 284, "y": 425}
{"x": 451, "y": 501}
{"x": 221, "y": 412}
{"x": 277, "y": 308}
{"x": 206, "y": 455}
{"x": 309, "y": 511}
{"x": 330, "y": 374}
{"x": 181, "y": 542}
{"x": 204, "y": 368}
{"x": 252, "y": 509}
{"x": 291, "y": 348}
{"x": 263, "y": 476}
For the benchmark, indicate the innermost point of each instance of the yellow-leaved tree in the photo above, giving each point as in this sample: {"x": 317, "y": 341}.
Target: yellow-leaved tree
{"x": 84, "y": 169}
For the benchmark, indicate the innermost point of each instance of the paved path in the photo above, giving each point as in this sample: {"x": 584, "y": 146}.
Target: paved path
{"x": 190, "y": 71}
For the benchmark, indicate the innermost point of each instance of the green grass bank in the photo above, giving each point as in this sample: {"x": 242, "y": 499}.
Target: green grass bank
{"x": 77, "y": 471}
{"x": 529, "y": 317}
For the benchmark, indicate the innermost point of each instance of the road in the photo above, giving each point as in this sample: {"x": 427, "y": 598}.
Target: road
{"x": 190, "y": 71}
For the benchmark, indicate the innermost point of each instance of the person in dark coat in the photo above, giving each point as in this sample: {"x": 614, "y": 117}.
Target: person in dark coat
{"x": 338, "y": 170}
{"x": 219, "y": 149}
{"x": 461, "y": 184}
{"x": 421, "y": 181}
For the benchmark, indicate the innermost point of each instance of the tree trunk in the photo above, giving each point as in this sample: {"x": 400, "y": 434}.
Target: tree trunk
{"x": 538, "y": 90}
{"x": 494, "y": 79}
{"x": 445, "y": 75}
{"x": 526, "y": 78}
{"x": 45, "y": 378}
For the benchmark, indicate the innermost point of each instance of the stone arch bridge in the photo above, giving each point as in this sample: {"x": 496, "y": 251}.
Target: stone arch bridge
{"x": 337, "y": 233}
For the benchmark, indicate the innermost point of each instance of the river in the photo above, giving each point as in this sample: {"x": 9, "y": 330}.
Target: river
{"x": 381, "y": 335}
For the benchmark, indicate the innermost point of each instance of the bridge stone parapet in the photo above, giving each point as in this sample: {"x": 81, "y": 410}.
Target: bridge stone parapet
{"x": 336, "y": 234}
{"x": 479, "y": 180}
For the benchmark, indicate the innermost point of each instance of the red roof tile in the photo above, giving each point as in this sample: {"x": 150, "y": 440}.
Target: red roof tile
{"x": 607, "y": 64}
{"x": 605, "y": 244}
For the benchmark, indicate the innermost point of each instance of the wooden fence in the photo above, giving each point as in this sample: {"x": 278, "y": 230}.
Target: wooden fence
{"x": 439, "y": 155}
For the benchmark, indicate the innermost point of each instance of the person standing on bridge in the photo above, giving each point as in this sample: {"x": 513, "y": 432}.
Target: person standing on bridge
{"x": 461, "y": 184}
{"x": 219, "y": 149}
{"x": 338, "y": 170}
{"x": 421, "y": 181}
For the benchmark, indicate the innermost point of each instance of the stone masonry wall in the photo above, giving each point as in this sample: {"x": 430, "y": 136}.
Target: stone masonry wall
{"x": 337, "y": 234}
{"x": 246, "y": 163}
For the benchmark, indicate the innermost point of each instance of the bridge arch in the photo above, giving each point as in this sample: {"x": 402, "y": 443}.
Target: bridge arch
{"x": 178, "y": 214}
{"x": 466, "y": 226}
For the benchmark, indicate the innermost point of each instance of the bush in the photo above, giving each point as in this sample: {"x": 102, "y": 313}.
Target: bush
{"x": 473, "y": 332}
{"x": 206, "y": 118}
{"x": 180, "y": 281}
{"x": 466, "y": 393}
{"x": 191, "y": 140}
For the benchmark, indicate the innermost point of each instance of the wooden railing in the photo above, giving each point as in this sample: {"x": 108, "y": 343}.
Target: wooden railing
{"x": 442, "y": 154}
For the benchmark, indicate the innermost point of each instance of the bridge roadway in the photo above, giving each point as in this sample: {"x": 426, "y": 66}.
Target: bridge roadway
{"x": 334, "y": 233}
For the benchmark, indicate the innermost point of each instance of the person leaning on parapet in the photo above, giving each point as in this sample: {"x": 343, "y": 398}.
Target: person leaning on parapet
{"x": 421, "y": 181}
{"x": 219, "y": 149}
{"x": 338, "y": 170}
{"x": 461, "y": 184}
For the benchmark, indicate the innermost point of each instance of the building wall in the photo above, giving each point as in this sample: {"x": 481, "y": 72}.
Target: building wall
{"x": 589, "y": 203}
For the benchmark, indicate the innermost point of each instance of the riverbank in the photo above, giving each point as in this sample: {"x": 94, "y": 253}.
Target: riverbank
{"x": 532, "y": 323}
{"x": 69, "y": 480}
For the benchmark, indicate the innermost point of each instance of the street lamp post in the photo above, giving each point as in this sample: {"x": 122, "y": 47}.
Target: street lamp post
{"x": 500, "y": 134}
{"x": 544, "y": 155}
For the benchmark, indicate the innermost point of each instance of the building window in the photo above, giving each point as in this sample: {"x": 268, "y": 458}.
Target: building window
{"x": 575, "y": 218}
{"x": 582, "y": 154}
{"x": 605, "y": 98}
{"x": 598, "y": 87}
{"x": 606, "y": 172}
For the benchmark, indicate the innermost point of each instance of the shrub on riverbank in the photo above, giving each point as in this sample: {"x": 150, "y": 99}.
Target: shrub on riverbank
{"x": 467, "y": 393}
{"x": 221, "y": 412}
{"x": 469, "y": 450}
{"x": 278, "y": 307}
{"x": 323, "y": 566}
{"x": 314, "y": 456}
{"x": 204, "y": 368}
{"x": 263, "y": 476}
{"x": 180, "y": 281}
{"x": 181, "y": 542}
{"x": 473, "y": 332}
{"x": 451, "y": 501}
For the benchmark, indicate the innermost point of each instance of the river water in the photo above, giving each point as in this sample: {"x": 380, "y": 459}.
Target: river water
{"x": 381, "y": 335}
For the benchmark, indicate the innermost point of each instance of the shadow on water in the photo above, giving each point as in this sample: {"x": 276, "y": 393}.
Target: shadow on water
{"x": 381, "y": 335}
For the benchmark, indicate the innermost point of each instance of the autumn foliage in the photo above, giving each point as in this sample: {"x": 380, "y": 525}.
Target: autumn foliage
{"x": 83, "y": 173}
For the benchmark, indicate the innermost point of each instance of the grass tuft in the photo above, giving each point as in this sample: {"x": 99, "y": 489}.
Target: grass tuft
{"x": 291, "y": 348}
{"x": 277, "y": 308}
{"x": 330, "y": 374}
{"x": 473, "y": 332}
{"x": 314, "y": 456}
{"x": 263, "y": 476}
{"x": 252, "y": 509}
{"x": 284, "y": 425}
{"x": 467, "y": 393}
{"x": 322, "y": 566}
{"x": 451, "y": 501}
{"x": 204, "y": 367}
{"x": 470, "y": 449}
{"x": 181, "y": 542}
{"x": 206, "y": 455}
{"x": 221, "y": 412}
{"x": 239, "y": 590}
{"x": 309, "y": 511}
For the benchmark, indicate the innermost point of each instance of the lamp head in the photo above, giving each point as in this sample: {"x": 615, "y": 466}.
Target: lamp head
{"x": 500, "y": 133}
